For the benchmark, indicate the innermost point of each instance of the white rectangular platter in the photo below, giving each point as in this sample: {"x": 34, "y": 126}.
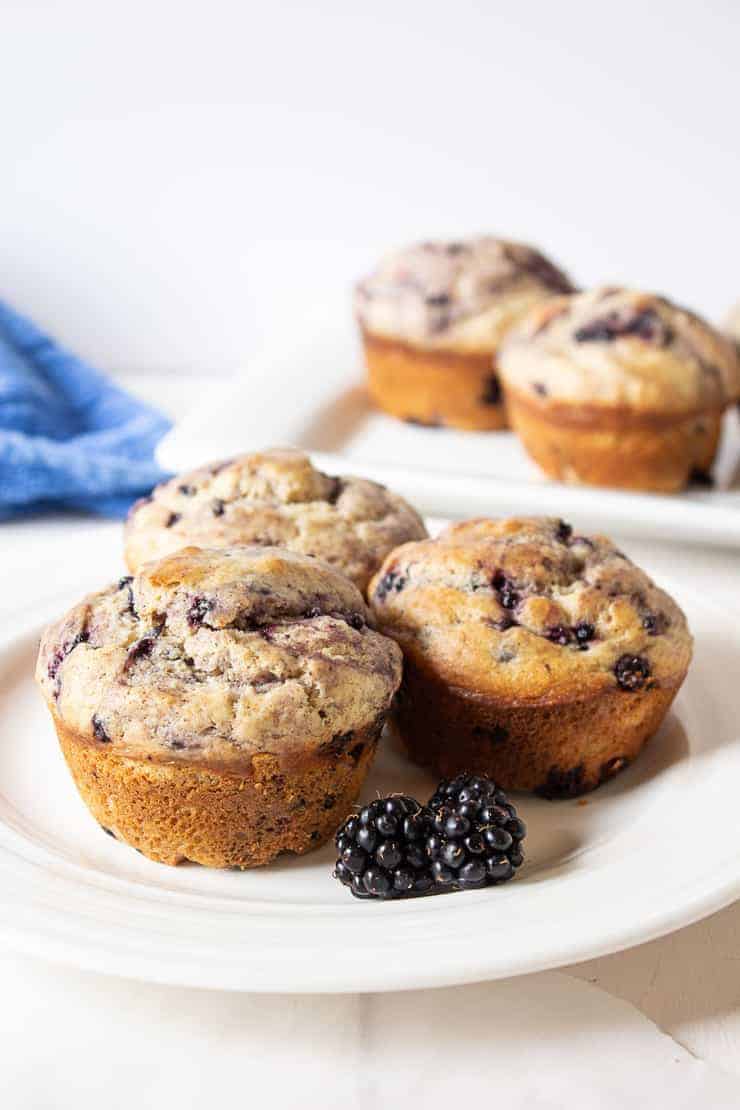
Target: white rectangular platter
{"x": 304, "y": 389}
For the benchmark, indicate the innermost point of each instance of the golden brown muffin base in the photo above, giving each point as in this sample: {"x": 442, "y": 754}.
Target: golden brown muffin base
{"x": 433, "y": 387}
{"x": 175, "y": 811}
{"x": 615, "y": 447}
{"x": 555, "y": 750}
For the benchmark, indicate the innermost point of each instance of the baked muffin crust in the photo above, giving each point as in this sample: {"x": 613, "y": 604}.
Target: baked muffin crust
{"x": 618, "y": 348}
{"x": 524, "y": 611}
{"x": 457, "y": 295}
{"x": 212, "y": 657}
{"x": 274, "y": 497}
{"x": 543, "y": 659}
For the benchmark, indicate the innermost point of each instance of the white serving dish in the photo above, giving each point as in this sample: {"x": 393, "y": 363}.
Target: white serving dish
{"x": 305, "y": 389}
{"x": 657, "y": 848}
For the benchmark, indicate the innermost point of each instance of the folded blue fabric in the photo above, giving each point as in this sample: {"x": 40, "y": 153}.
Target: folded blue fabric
{"x": 68, "y": 436}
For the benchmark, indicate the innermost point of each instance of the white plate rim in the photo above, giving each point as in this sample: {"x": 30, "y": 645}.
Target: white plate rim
{"x": 37, "y": 881}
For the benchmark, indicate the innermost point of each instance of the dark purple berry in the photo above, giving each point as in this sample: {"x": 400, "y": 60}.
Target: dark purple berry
{"x": 562, "y": 783}
{"x": 584, "y": 632}
{"x": 655, "y": 624}
{"x": 646, "y": 325}
{"x": 335, "y": 490}
{"x": 468, "y": 837}
{"x": 199, "y": 609}
{"x": 559, "y": 634}
{"x": 632, "y": 672}
{"x": 64, "y": 650}
{"x": 374, "y": 847}
{"x": 507, "y": 595}
{"x": 477, "y": 833}
{"x": 99, "y": 730}
{"x": 391, "y": 582}
{"x": 140, "y": 649}
{"x": 491, "y": 394}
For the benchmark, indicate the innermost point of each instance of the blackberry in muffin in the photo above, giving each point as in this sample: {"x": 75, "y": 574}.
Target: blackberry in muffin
{"x": 432, "y": 318}
{"x": 540, "y": 658}
{"x": 221, "y": 706}
{"x": 274, "y": 497}
{"x": 619, "y": 388}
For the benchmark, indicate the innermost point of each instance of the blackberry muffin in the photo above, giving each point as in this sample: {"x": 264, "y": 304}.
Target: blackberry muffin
{"x": 223, "y": 706}
{"x": 432, "y": 317}
{"x": 277, "y": 498}
{"x": 619, "y": 388}
{"x": 542, "y": 659}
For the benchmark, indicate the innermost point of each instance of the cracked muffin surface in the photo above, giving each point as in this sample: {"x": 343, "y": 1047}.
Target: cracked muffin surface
{"x": 619, "y": 388}
{"x": 275, "y": 498}
{"x": 463, "y": 294}
{"x": 524, "y": 610}
{"x": 538, "y": 657}
{"x": 619, "y": 347}
{"x": 213, "y": 656}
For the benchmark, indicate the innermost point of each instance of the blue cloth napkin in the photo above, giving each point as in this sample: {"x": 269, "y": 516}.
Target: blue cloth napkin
{"x": 68, "y": 437}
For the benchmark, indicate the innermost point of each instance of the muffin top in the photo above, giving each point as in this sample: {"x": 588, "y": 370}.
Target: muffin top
{"x": 215, "y": 655}
{"x": 523, "y": 611}
{"x": 463, "y": 294}
{"x": 275, "y": 498}
{"x": 618, "y": 347}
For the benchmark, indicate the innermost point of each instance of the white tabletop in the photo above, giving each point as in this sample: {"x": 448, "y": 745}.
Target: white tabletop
{"x": 68, "y": 1031}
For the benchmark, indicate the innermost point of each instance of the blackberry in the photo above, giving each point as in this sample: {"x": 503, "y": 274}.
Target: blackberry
{"x": 632, "y": 672}
{"x": 477, "y": 835}
{"x": 381, "y": 850}
{"x": 468, "y": 836}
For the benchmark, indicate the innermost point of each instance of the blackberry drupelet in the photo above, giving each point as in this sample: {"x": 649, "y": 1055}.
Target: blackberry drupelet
{"x": 477, "y": 834}
{"x": 381, "y": 850}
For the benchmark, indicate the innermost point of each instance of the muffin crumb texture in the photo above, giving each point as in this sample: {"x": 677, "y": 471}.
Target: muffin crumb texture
{"x": 274, "y": 497}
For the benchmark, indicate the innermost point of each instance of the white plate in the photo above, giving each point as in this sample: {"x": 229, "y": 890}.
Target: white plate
{"x": 654, "y": 850}
{"x": 304, "y": 389}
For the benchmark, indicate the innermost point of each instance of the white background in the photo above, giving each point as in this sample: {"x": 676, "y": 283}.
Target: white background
{"x": 176, "y": 174}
